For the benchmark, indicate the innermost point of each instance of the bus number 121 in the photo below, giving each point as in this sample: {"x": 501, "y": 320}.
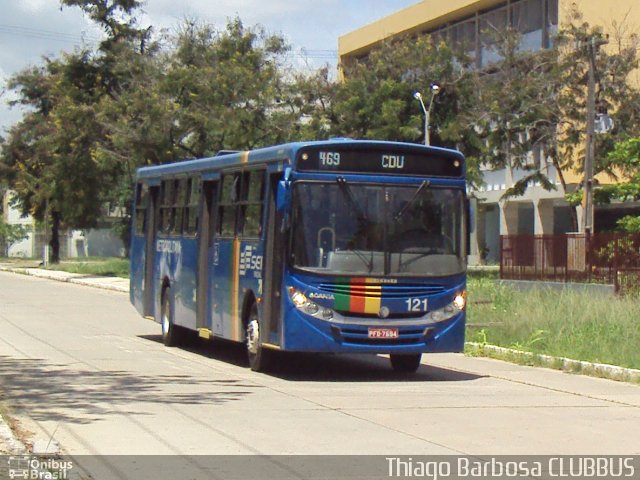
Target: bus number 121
{"x": 416, "y": 304}
{"x": 330, "y": 159}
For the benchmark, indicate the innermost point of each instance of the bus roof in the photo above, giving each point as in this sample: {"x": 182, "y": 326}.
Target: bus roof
{"x": 285, "y": 152}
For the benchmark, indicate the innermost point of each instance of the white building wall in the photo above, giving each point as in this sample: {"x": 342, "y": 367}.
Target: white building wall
{"x": 100, "y": 242}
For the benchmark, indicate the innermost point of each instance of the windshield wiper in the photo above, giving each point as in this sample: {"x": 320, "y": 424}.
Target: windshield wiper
{"x": 348, "y": 194}
{"x": 361, "y": 217}
{"x": 368, "y": 262}
{"x": 409, "y": 204}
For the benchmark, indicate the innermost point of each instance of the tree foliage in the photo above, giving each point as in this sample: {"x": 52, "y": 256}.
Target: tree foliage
{"x": 615, "y": 94}
{"x": 376, "y": 100}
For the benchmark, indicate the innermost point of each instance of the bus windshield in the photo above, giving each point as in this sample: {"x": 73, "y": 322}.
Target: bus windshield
{"x": 360, "y": 229}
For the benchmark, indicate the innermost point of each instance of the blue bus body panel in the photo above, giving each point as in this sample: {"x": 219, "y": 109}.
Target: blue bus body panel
{"x": 175, "y": 262}
{"x": 307, "y": 334}
{"x": 236, "y": 276}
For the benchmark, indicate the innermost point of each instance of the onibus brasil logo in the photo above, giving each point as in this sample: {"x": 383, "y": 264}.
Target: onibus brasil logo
{"x": 29, "y": 467}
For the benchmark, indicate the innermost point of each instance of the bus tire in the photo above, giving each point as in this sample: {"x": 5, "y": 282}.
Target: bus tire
{"x": 405, "y": 363}
{"x": 170, "y": 332}
{"x": 258, "y": 356}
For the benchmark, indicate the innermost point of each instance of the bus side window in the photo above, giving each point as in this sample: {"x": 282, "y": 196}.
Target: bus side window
{"x": 166, "y": 206}
{"x": 142, "y": 201}
{"x": 194, "y": 190}
{"x": 180, "y": 200}
{"x": 252, "y": 199}
{"x": 227, "y": 208}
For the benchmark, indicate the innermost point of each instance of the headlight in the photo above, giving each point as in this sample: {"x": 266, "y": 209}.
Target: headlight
{"x": 298, "y": 299}
{"x": 460, "y": 301}
{"x": 327, "y": 313}
{"x": 311, "y": 308}
{"x": 301, "y": 302}
{"x": 450, "y": 310}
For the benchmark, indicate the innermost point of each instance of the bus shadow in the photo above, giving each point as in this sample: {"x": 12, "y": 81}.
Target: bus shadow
{"x": 356, "y": 368}
{"x": 294, "y": 366}
{"x": 225, "y": 351}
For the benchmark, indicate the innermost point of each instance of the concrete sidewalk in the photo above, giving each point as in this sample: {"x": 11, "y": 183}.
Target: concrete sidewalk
{"x": 116, "y": 284}
{"x": 9, "y": 444}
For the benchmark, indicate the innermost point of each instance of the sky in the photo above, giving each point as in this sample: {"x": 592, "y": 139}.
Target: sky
{"x": 31, "y": 29}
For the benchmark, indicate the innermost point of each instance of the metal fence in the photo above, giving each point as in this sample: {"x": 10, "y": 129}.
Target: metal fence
{"x": 610, "y": 258}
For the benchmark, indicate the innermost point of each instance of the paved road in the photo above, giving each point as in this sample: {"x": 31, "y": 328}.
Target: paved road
{"x": 83, "y": 368}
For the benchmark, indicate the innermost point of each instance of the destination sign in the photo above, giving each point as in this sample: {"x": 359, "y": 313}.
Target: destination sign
{"x": 390, "y": 162}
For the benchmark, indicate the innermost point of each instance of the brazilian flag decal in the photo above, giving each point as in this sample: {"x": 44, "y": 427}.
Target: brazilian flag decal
{"x": 356, "y": 295}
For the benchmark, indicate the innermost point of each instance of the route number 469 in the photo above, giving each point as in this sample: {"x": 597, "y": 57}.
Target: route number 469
{"x": 330, "y": 159}
{"x": 416, "y": 304}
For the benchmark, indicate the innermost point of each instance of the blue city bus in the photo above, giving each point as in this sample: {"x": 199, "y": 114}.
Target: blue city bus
{"x": 329, "y": 246}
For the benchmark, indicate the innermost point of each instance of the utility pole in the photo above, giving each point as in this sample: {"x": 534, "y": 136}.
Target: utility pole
{"x": 435, "y": 89}
{"x": 587, "y": 214}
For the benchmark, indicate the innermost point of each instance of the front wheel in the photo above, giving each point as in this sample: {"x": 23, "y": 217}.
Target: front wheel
{"x": 405, "y": 363}
{"x": 170, "y": 332}
{"x": 258, "y": 357}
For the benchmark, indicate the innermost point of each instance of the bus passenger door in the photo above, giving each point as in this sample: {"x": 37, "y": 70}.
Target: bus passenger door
{"x": 206, "y": 230}
{"x": 150, "y": 250}
{"x": 274, "y": 265}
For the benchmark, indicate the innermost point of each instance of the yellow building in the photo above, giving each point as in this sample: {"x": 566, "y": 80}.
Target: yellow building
{"x": 462, "y": 22}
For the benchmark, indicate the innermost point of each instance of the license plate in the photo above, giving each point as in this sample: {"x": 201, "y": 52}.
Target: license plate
{"x": 383, "y": 333}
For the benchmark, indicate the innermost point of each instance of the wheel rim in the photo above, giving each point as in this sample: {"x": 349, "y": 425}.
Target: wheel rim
{"x": 253, "y": 336}
{"x": 165, "y": 319}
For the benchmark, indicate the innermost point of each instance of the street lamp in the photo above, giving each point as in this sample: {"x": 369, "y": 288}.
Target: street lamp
{"x": 435, "y": 89}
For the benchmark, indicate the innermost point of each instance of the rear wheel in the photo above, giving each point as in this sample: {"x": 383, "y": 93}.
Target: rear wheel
{"x": 406, "y": 363}
{"x": 258, "y": 357}
{"x": 170, "y": 332}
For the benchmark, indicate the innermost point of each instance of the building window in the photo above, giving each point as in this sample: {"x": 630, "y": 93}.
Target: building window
{"x": 527, "y": 18}
{"x": 492, "y": 24}
{"x": 552, "y": 12}
{"x": 463, "y": 36}
{"x": 552, "y": 22}
{"x": 440, "y": 36}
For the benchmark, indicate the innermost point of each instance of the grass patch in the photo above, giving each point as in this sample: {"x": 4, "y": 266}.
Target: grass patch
{"x": 106, "y": 266}
{"x": 109, "y": 267}
{"x": 578, "y": 325}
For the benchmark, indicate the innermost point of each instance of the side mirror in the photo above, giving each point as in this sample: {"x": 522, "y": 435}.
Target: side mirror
{"x": 471, "y": 222}
{"x": 283, "y": 195}
{"x": 471, "y": 215}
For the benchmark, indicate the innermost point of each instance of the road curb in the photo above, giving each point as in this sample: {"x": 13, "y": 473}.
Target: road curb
{"x": 601, "y": 370}
{"x": 67, "y": 277}
{"x": 8, "y": 439}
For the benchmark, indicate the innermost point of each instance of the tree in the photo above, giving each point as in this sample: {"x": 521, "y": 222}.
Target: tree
{"x": 217, "y": 89}
{"x": 515, "y": 116}
{"x": 626, "y": 158}
{"x": 49, "y": 151}
{"x": 615, "y": 95}
{"x": 376, "y": 98}
{"x": 534, "y": 104}
{"x": 228, "y": 86}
